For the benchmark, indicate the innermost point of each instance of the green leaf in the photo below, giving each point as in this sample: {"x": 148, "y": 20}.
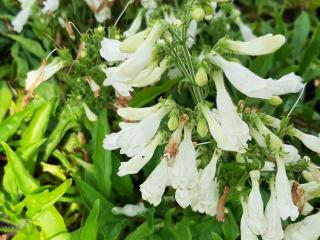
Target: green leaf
{"x": 300, "y": 33}
{"x": 101, "y": 158}
{"x": 21, "y": 65}
{"x": 148, "y": 94}
{"x": 262, "y": 64}
{"x": 90, "y": 228}
{"x": 311, "y": 52}
{"x": 215, "y": 236}
{"x": 30, "y": 45}
{"x": 183, "y": 228}
{"x": 142, "y": 231}
{"x": 230, "y": 227}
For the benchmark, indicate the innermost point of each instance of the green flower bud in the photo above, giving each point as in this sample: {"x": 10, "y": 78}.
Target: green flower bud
{"x": 83, "y": 53}
{"x": 202, "y": 127}
{"x": 275, "y": 101}
{"x": 198, "y": 14}
{"x": 100, "y": 29}
{"x": 208, "y": 10}
{"x": 173, "y": 122}
{"x": 201, "y": 77}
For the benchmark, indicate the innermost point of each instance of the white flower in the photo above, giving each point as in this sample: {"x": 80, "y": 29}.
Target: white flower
{"x": 22, "y": 17}
{"x": 232, "y": 125}
{"x": 256, "y": 220}
{"x": 246, "y": 31}
{"x": 184, "y": 170}
{"x": 274, "y": 141}
{"x": 95, "y": 88}
{"x": 272, "y": 121}
{"x": 285, "y": 203}
{"x": 134, "y": 137}
{"x": 110, "y": 50}
{"x": 307, "y": 229}
{"x": 101, "y": 11}
{"x": 205, "y": 196}
{"x": 120, "y": 77}
{"x": 45, "y": 72}
{"x": 136, "y": 163}
{"x": 137, "y": 114}
{"x": 252, "y": 85}
{"x": 216, "y": 130}
{"x": 182, "y": 197}
{"x": 89, "y": 114}
{"x": 246, "y": 233}
{"x": 310, "y": 190}
{"x": 50, "y": 6}
{"x": 310, "y": 141}
{"x": 258, "y": 137}
{"x": 192, "y": 32}
{"x": 153, "y": 187}
{"x": 135, "y": 25}
{"x": 132, "y": 43}
{"x": 259, "y": 46}
{"x": 274, "y": 226}
{"x": 130, "y": 210}
{"x": 291, "y": 154}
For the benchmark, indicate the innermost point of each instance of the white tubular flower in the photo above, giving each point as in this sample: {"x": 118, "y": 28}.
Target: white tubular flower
{"x": 137, "y": 114}
{"x": 192, "y": 32}
{"x": 272, "y": 121}
{"x": 131, "y": 44}
{"x": 245, "y": 231}
{"x": 22, "y": 17}
{"x": 245, "y": 30}
{"x": 310, "y": 141}
{"x": 120, "y": 77}
{"x": 182, "y": 197}
{"x": 275, "y": 142}
{"x": 285, "y": 203}
{"x": 110, "y": 50}
{"x": 184, "y": 170}
{"x": 153, "y": 187}
{"x": 134, "y": 137}
{"x": 259, "y": 46}
{"x": 307, "y": 229}
{"x": 310, "y": 190}
{"x": 136, "y": 163}
{"x": 274, "y": 226}
{"x": 45, "y": 72}
{"x": 256, "y": 220}
{"x": 135, "y": 26}
{"x": 205, "y": 196}
{"x": 216, "y": 130}
{"x": 258, "y": 137}
{"x": 151, "y": 77}
{"x": 252, "y": 85}
{"x": 101, "y": 12}
{"x": 291, "y": 154}
{"x": 130, "y": 210}
{"x": 50, "y": 6}
{"x": 89, "y": 114}
{"x": 231, "y": 123}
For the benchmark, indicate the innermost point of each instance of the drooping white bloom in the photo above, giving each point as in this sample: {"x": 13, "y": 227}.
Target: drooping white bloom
{"x": 135, "y": 25}
{"x": 130, "y": 210}
{"x": 307, "y": 229}
{"x": 232, "y": 125}
{"x": 110, "y": 50}
{"x": 153, "y": 187}
{"x": 22, "y": 17}
{"x": 50, "y": 6}
{"x": 101, "y": 10}
{"x": 291, "y": 154}
{"x": 136, "y": 163}
{"x": 137, "y": 114}
{"x": 216, "y": 131}
{"x": 274, "y": 227}
{"x": 285, "y": 203}
{"x": 89, "y": 114}
{"x": 120, "y": 77}
{"x": 258, "y": 46}
{"x": 192, "y": 32}
{"x": 256, "y": 220}
{"x": 134, "y": 137}
{"x": 245, "y": 30}
{"x": 252, "y": 85}
{"x": 245, "y": 231}
{"x": 45, "y": 72}
{"x": 182, "y": 196}
{"x": 310, "y": 141}
{"x": 184, "y": 170}
{"x": 205, "y": 196}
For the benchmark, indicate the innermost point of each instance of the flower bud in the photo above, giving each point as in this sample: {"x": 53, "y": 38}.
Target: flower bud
{"x": 83, "y": 53}
{"x": 201, "y": 77}
{"x": 275, "y": 101}
{"x": 198, "y": 14}
{"x": 173, "y": 122}
{"x": 100, "y": 29}
{"x": 202, "y": 127}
